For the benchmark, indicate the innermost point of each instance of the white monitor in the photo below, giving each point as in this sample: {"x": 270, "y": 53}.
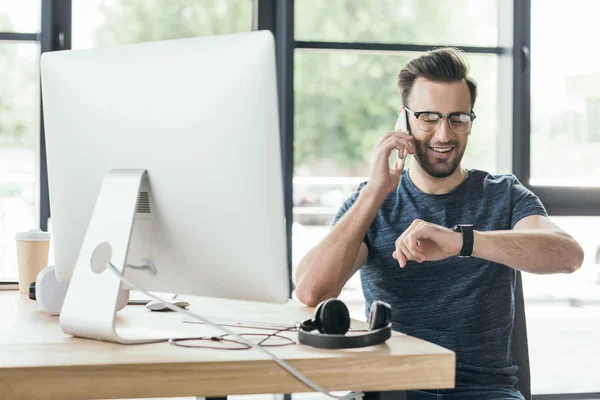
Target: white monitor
{"x": 200, "y": 116}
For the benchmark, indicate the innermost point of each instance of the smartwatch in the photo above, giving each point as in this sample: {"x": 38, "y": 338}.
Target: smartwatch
{"x": 467, "y": 235}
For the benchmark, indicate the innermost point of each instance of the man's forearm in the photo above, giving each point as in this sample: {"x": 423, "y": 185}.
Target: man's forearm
{"x": 325, "y": 269}
{"x": 539, "y": 251}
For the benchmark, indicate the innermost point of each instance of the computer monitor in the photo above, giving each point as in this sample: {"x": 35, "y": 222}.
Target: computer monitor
{"x": 165, "y": 154}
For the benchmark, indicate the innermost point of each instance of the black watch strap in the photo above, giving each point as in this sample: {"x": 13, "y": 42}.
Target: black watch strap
{"x": 467, "y": 234}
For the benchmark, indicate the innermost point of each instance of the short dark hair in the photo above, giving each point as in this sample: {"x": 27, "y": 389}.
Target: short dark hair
{"x": 446, "y": 64}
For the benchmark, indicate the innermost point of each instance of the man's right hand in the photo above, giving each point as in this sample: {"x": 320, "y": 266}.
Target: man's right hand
{"x": 325, "y": 269}
{"x": 382, "y": 179}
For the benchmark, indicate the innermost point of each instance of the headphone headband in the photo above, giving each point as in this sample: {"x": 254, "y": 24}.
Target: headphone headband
{"x": 329, "y": 341}
{"x": 332, "y": 321}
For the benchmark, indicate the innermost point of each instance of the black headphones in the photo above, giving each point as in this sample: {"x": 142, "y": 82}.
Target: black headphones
{"x": 332, "y": 320}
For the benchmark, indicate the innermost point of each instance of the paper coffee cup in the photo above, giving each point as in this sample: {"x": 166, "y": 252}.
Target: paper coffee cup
{"x": 32, "y": 256}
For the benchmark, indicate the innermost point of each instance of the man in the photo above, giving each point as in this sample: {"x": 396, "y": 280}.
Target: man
{"x": 397, "y": 230}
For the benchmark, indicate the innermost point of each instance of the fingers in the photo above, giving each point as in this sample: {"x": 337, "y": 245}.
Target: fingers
{"x": 383, "y": 139}
{"x": 394, "y": 140}
{"x": 383, "y": 152}
{"x": 398, "y": 166}
{"x": 412, "y": 226}
{"x": 412, "y": 244}
{"x": 401, "y": 135}
{"x": 407, "y": 246}
{"x": 398, "y": 255}
{"x": 400, "y": 154}
{"x": 409, "y": 253}
{"x": 385, "y": 149}
{"x": 401, "y": 258}
{"x": 381, "y": 175}
{"x": 407, "y": 139}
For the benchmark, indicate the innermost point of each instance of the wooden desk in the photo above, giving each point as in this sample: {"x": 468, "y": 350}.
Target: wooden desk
{"x": 38, "y": 361}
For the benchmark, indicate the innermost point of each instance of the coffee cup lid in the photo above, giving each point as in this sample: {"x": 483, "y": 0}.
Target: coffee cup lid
{"x": 33, "y": 235}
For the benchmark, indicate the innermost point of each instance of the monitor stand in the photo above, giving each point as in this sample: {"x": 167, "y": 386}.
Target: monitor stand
{"x": 90, "y": 306}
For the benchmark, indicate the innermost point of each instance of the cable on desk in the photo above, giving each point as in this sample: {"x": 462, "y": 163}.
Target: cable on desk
{"x": 223, "y": 338}
{"x": 280, "y": 362}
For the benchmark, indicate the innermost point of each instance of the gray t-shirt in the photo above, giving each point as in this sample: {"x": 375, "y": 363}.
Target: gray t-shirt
{"x": 465, "y": 305}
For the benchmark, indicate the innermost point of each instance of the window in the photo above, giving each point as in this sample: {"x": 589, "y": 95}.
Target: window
{"x": 563, "y": 311}
{"x": 345, "y": 97}
{"x": 565, "y": 94}
{"x": 563, "y": 314}
{"x": 463, "y": 22}
{"x": 99, "y": 23}
{"x": 20, "y": 16}
{"x": 19, "y": 126}
{"x": 344, "y": 101}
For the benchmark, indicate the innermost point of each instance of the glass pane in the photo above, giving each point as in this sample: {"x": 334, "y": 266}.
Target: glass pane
{"x": 99, "y": 23}
{"x": 344, "y": 102}
{"x": 19, "y": 132}
{"x": 565, "y": 94}
{"x": 23, "y": 16}
{"x": 563, "y": 318}
{"x": 458, "y": 22}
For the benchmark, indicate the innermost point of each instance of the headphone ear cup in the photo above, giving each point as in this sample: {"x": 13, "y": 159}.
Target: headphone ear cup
{"x": 315, "y": 322}
{"x": 380, "y": 315}
{"x": 318, "y": 309}
{"x": 333, "y": 317}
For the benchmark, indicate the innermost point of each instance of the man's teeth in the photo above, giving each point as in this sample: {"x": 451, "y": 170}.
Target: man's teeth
{"x": 441, "y": 149}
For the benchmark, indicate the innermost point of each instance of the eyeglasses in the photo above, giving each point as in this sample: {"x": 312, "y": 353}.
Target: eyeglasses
{"x": 430, "y": 120}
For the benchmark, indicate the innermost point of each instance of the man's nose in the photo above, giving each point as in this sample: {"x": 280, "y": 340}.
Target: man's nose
{"x": 443, "y": 132}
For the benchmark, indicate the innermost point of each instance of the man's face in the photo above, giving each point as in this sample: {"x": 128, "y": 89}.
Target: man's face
{"x": 440, "y": 151}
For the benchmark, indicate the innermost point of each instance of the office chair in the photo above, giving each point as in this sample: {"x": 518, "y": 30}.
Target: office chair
{"x": 520, "y": 348}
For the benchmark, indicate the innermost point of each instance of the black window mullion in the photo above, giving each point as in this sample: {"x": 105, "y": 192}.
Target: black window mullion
{"x": 393, "y": 47}
{"x": 285, "y": 46}
{"x": 278, "y": 17}
{"x": 19, "y": 37}
{"x": 264, "y": 15}
{"x": 569, "y": 201}
{"x": 55, "y": 35}
{"x": 522, "y": 90}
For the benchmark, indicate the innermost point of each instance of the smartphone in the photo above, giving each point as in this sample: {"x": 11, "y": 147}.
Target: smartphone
{"x": 402, "y": 124}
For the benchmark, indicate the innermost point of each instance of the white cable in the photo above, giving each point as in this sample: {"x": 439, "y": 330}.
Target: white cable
{"x": 282, "y": 364}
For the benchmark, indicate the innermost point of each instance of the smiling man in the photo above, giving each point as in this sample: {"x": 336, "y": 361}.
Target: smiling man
{"x": 441, "y": 244}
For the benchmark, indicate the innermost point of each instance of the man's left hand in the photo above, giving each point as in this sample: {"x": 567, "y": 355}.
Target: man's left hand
{"x": 424, "y": 241}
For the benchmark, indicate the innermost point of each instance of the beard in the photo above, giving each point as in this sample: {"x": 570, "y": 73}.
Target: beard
{"x": 438, "y": 167}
